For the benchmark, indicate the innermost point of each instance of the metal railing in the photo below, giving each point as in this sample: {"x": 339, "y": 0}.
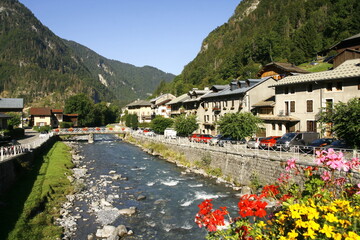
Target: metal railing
{"x": 298, "y": 152}
{"x": 88, "y": 130}
{"x": 10, "y": 151}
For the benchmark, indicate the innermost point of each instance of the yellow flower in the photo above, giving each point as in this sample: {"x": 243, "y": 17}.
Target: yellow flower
{"x": 310, "y": 233}
{"x": 352, "y": 236}
{"x": 313, "y": 225}
{"x": 331, "y": 217}
{"x": 293, "y": 234}
{"x": 312, "y": 213}
{"x": 261, "y": 224}
{"x": 344, "y": 223}
{"x": 327, "y": 230}
{"x": 336, "y": 236}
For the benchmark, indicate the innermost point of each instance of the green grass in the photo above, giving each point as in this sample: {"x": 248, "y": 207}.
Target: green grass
{"x": 34, "y": 201}
{"x": 321, "y": 66}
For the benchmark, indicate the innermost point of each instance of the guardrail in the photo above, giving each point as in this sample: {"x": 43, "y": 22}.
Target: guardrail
{"x": 297, "y": 152}
{"x": 88, "y": 130}
{"x": 10, "y": 151}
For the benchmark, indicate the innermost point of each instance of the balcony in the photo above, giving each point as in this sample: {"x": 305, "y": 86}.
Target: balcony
{"x": 216, "y": 109}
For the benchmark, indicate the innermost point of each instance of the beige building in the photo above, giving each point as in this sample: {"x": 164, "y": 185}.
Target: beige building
{"x": 142, "y": 109}
{"x": 300, "y": 99}
{"x": 159, "y": 105}
{"x": 238, "y": 96}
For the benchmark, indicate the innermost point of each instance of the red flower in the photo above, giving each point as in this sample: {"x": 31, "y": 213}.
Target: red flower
{"x": 270, "y": 191}
{"x": 97, "y": 129}
{"x": 250, "y": 205}
{"x": 208, "y": 217}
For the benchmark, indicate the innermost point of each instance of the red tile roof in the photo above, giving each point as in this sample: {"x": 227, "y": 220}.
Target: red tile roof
{"x": 40, "y": 111}
{"x": 57, "y": 110}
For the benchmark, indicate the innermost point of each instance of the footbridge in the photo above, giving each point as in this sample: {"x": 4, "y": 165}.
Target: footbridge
{"x": 90, "y": 131}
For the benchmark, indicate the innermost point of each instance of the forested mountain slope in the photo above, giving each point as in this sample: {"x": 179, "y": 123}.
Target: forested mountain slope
{"x": 261, "y": 31}
{"x": 44, "y": 69}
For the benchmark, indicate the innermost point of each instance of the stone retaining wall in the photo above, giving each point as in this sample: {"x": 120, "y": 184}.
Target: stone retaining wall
{"x": 12, "y": 168}
{"x": 241, "y": 168}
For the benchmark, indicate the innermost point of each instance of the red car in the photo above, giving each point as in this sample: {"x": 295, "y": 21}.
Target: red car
{"x": 269, "y": 142}
{"x": 200, "y": 138}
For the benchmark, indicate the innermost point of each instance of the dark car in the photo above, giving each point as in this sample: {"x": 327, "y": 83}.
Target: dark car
{"x": 291, "y": 139}
{"x": 229, "y": 139}
{"x": 338, "y": 144}
{"x": 316, "y": 145}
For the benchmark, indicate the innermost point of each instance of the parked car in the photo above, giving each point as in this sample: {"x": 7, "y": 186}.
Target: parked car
{"x": 316, "y": 145}
{"x": 338, "y": 145}
{"x": 228, "y": 139}
{"x": 269, "y": 142}
{"x": 215, "y": 140}
{"x": 200, "y": 138}
{"x": 149, "y": 133}
{"x": 170, "y": 133}
{"x": 254, "y": 142}
{"x": 291, "y": 139}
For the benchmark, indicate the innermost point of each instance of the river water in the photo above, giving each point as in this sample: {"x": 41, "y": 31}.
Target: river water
{"x": 172, "y": 195}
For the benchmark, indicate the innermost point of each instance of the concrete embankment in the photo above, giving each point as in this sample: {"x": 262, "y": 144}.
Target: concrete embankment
{"x": 241, "y": 168}
{"x": 12, "y": 168}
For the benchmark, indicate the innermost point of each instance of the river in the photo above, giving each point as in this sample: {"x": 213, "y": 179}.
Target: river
{"x": 172, "y": 195}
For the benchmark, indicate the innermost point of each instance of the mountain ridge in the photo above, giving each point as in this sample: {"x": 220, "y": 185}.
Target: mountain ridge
{"x": 42, "y": 68}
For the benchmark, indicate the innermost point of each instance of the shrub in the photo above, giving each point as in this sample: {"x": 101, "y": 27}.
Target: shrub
{"x": 66, "y": 124}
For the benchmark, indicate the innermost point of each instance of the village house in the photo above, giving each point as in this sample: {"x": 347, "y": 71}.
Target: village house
{"x": 193, "y": 104}
{"x": 51, "y": 117}
{"x": 278, "y": 70}
{"x": 177, "y": 105}
{"x": 238, "y": 96}
{"x": 301, "y": 98}
{"x": 347, "y": 49}
{"x": 159, "y": 105}
{"x": 142, "y": 109}
{"x": 9, "y": 105}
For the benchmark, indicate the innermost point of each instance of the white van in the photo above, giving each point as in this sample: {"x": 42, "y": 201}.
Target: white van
{"x": 170, "y": 133}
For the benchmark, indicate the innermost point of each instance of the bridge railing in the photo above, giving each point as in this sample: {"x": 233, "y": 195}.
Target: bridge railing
{"x": 88, "y": 130}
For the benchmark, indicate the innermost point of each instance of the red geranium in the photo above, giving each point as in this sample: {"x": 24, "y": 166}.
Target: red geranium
{"x": 210, "y": 218}
{"x": 251, "y": 205}
{"x": 270, "y": 191}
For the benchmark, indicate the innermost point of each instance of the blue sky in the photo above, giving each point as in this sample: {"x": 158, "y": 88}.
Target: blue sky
{"x": 166, "y": 34}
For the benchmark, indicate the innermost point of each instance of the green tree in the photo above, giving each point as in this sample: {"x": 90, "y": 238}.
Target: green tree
{"x": 185, "y": 125}
{"x": 14, "y": 121}
{"x": 239, "y": 125}
{"x": 82, "y": 105}
{"x": 345, "y": 119}
{"x": 131, "y": 120}
{"x": 159, "y": 124}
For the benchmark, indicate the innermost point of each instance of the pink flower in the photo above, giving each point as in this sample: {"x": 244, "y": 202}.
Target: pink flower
{"x": 325, "y": 176}
{"x": 359, "y": 188}
{"x": 290, "y": 164}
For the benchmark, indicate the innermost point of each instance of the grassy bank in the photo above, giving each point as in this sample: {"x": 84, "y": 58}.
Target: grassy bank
{"x": 34, "y": 201}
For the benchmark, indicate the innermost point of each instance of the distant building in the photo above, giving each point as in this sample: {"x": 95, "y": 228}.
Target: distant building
{"x": 51, "y": 117}
{"x": 159, "y": 105}
{"x": 142, "y": 109}
{"x": 9, "y": 105}
{"x": 278, "y": 70}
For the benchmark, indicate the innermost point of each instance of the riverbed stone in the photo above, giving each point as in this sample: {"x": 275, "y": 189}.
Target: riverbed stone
{"x": 141, "y": 197}
{"x": 105, "y": 232}
{"x": 128, "y": 211}
{"x": 121, "y": 230}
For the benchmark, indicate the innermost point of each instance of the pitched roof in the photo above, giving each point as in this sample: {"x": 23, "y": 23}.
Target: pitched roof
{"x": 179, "y": 99}
{"x": 345, "y": 42}
{"x": 40, "y": 111}
{"x": 57, "y": 110}
{"x": 139, "y": 103}
{"x": 269, "y": 102}
{"x": 348, "y": 69}
{"x": 3, "y": 115}
{"x": 11, "y": 103}
{"x": 288, "y": 67}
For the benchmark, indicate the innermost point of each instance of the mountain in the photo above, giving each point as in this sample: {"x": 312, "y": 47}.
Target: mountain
{"x": 44, "y": 69}
{"x": 261, "y": 31}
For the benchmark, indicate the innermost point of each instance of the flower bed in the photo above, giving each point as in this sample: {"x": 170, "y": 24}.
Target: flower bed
{"x": 325, "y": 206}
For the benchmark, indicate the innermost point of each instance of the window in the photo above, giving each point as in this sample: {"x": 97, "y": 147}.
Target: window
{"x": 309, "y": 88}
{"x": 329, "y": 105}
{"x": 233, "y": 101}
{"x": 309, "y": 106}
{"x": 280, "y": 126}
{"x": 311, "y": 126}
{"x": 339, "y": 86}
{"x": 359, "y": 85}
{"x": 286, "y": 108}
{"x": 273, "y": 126}
{"x": 329, "y": 86}
{"x": 292, "y": 90}
{"x": 292, "y": 106}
